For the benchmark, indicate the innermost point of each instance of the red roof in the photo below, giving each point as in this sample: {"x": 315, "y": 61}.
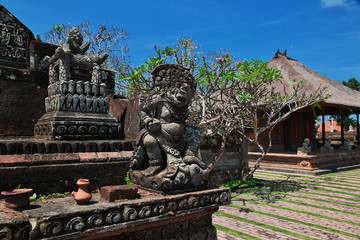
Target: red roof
{"x": 337, "y": 127}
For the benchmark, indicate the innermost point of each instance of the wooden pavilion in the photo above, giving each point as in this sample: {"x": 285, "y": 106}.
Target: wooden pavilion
{"x": 290, "y": 134}
{"x": 343, "y": 101}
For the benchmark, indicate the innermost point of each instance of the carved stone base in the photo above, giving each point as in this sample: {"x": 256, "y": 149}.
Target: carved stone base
{"x": 180, "y": 182}
{"x": 62, "y": 125}
{"x": 183, "y": 216}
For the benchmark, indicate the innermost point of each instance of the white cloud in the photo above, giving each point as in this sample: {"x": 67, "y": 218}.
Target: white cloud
{"x": 332, "y": 3}
{"x": 349, "y": 4}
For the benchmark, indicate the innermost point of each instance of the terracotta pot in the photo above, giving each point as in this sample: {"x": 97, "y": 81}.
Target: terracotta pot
{"x": 17, "y": 198}
{"x": 82, "y": 196}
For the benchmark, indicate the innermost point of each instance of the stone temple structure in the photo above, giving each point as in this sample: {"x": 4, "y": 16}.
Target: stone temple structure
{"x": 77, "y": 106}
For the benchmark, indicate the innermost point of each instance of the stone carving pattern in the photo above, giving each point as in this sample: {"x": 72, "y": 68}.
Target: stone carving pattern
{"x": 75, "y": 130}
{"x": 132, "y": 213}
{"x": 113, "y": 217}
{"x": 75, "y": 224}
{"x": 71, "y": 98}
{"x": 13, "y": 43}
{"x": 52, "y": 228}
{"x": 95, "y": 220}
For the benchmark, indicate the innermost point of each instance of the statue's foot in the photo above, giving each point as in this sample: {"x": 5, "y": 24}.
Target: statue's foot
{"x": 151, "y": 171}
{"x": 193, "y": 159}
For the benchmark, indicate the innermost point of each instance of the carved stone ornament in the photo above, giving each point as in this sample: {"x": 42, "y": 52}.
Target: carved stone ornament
{"x": 166, "y": 155}
{"x": 77, "y": 94}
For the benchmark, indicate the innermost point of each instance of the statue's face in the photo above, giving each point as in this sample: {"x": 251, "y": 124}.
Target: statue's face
{"x": 180, "y": 94}
{"x": 75, "y": 40}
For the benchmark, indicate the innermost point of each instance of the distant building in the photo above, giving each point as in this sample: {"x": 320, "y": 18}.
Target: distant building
{"x": 330, "y": 126}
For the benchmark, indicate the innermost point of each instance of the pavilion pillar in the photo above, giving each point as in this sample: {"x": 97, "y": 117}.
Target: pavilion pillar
{"x": 357, "y": 128}
{"x": 323, "y": 128}
{"x": 342, "y": 128}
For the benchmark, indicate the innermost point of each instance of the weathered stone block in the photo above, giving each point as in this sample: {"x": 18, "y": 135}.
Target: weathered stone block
{"x": 112, "y": 193}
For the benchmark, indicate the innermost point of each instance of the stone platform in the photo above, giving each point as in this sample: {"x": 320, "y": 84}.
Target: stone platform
{"x": 58, "y": 172}
{"x": 13, "y": 146}
{"x": 313, "y": 161}
{"x": 151, "y": 216}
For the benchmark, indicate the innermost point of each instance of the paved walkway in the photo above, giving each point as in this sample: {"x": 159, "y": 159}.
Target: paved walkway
{"x": 291, "y": 206}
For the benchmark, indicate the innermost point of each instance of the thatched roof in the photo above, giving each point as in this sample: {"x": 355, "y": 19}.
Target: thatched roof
{"x": 342, "y": 97}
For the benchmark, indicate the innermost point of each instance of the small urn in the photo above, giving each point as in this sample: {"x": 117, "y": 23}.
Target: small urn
{"x": 18, "y": 198}
{"x": 82, "y": 196}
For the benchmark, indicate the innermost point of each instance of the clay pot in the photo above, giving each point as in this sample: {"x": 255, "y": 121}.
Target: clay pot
{"x": 82, "y": 196}
{"x": 17, "y": 198}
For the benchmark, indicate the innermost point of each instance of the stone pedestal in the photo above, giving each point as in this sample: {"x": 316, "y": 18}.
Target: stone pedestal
{"x": 153, "y": 216}
{"x": 61, "y": 125}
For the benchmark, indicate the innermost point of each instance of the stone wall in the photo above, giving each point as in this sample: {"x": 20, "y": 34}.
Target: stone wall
{"x": 23, "y": 78}
{"x": 58, "y": 173}
{"x": 230, "y": 166}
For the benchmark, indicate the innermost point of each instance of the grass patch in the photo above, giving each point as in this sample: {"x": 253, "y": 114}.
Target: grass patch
{"x": 325, "y": 178}
{"x": 267, "y": 226}
{"x": 327, "y": 195}
{"x": 235, "y": 233}
{"x": 317, "y": 185}
{"x": 310, "y": 198}
{"x": 298, "y": 221}
{"x": 35, "y": 197}
{"x": 323, "y": 200}
{"x": 354, "y": 171}
{"x": 298, "y": 211}
{"x": 316, "y": 182}
{"x": 235, "y": 184}
{"x": 300, "y": 203}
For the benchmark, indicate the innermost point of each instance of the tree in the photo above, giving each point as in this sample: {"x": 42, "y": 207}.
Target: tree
{"x": 352, "y": 83}
{"x": 105, "y": 39}
{"x": 235, "y": 100}
{"x": 347, "y": 120}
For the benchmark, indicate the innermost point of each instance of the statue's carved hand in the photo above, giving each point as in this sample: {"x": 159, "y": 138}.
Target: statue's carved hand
{"x": 154, "y": 125}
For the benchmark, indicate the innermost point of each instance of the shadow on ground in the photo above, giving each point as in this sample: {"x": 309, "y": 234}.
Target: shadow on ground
{"x": 270, "y": 191}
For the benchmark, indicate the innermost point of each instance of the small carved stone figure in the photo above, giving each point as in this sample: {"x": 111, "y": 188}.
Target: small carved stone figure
{"x": 96, "y": 77}
{"x": 89, "y": 103}
{"x": 305, "y": 148}
{"x": 72, "y": 87}
{"x": 62, "y": 106}
{"x": 103, "y": 89}
{"x": 81, "y": 106}
{"x": 346, "y": 146}
{"x": 80, "y": 87}
{"x": 95, "y": 89}
{"x": 52, "y": 74}
{"x": 95, "y": 104}
{"x": 102, "y": 107}
{"x": 76, "y": 102}
{"x": 107, "y": 104}
{"x": 64, "y": 87}
{"x": 87, "y": 87}
{"x": 166, "y": 154}
{"x": 69, "y": 101}
{"x": 82, "y": 103}
{"x": 327, "y": 146}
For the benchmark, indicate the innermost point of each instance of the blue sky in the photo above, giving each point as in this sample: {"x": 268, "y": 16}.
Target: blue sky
{"x": 322, "y": 34}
